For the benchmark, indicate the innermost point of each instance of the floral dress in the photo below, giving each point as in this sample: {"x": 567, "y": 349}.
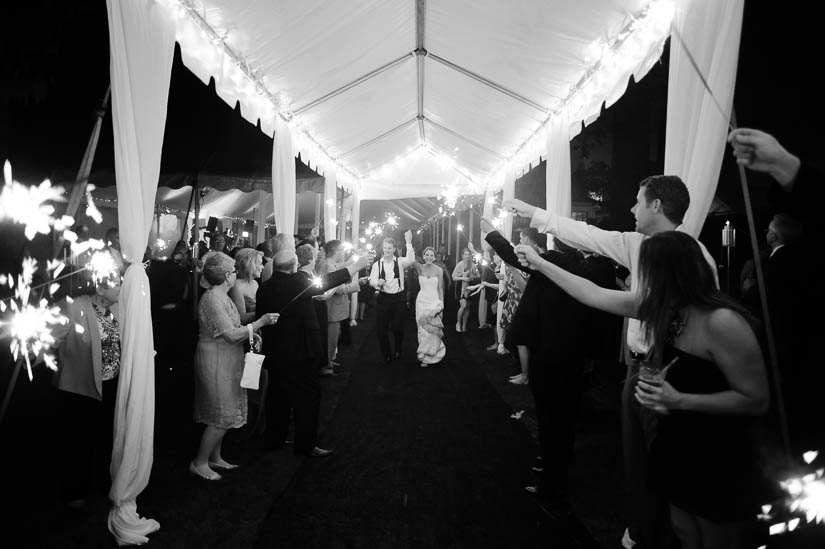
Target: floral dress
{"x": 220, "y": 401}
{"x": 513, "y": 297}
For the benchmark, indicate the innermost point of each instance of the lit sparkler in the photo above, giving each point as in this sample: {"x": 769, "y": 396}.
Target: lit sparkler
{"x": 459, "y": 227}
{"x": 317, "y": 282}
{"x": 392, "y": 221}
{"x": 30, "y": 326}
{"x": 103, "y": 267}
{"x": 807, "y": 499}
{"x": 28, "y": 205}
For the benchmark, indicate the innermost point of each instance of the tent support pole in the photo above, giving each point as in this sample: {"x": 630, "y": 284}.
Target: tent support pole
{"x": 188, "y": 210}
{"x": 195, "y": 248}
{"x": 82, "y": 179}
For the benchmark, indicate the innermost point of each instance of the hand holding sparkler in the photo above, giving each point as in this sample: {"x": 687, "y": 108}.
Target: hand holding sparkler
{"x": 528, "y": 257}
{"x": 518, "y": 207}
{"x": 267, "y": 319}
{"x": 486, "y": 226}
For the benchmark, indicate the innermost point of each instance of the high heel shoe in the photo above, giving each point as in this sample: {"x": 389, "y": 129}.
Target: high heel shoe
{"x": 198, "y": 473}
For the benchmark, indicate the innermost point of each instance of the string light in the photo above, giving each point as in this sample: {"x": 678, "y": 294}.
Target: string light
{"x": 618, "y": 58}
{"x": 212, "y": 50}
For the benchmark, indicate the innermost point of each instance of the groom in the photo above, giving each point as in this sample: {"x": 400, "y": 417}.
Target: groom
{"x": 387, "y": 277}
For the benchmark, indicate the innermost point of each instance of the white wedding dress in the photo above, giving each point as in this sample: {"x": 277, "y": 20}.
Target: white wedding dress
{"x": 428, "y": 309}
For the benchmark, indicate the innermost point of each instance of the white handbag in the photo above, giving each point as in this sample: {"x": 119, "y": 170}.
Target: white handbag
{"x": 251, "y": 365}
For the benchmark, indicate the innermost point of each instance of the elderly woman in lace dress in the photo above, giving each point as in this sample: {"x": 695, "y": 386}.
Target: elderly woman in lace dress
{"x": 220, "y": 401}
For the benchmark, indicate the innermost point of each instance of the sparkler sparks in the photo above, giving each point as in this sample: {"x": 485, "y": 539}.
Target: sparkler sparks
{"x": 30, "y": 326}
{"x": 28, "y": 205}
{"x": 103, "y": 268}
{"x": 806, "y": 499}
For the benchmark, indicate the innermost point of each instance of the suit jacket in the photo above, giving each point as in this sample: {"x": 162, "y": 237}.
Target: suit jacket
{"x": 558, "y": 321}
{"x": 79, "y": 353}
{"x": 338, "y": 303}
{"x": 296, "y": 336}
{"x": 605, "y": 328}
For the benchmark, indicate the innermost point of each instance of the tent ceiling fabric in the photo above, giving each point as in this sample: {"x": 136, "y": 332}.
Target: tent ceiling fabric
{"x": 346, "y": 73}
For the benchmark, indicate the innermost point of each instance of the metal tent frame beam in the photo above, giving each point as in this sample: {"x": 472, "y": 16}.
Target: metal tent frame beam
{"x": 475, "y": 144}
{"x": 489, "y": 83}
{"x": 421, "y": 53}
{"x": 384, "y": 135}
{"x": 370, "y": 75}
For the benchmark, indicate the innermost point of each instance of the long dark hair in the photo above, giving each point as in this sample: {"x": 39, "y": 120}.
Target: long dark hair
{"x": 673, "y": 274}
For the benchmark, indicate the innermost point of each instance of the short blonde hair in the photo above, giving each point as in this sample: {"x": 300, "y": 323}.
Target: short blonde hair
{"x": 245, "y": 262}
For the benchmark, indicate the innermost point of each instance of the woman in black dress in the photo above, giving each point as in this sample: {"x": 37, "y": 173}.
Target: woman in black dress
{"x": 706, "y": 397}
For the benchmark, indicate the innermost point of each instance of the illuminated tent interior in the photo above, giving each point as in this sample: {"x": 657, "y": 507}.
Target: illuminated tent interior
{"x": 397, "y": 100}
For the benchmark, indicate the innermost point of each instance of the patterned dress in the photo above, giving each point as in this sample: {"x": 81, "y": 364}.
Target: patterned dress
{"x": 220, "y": 401}
{"x": 513, "y": 297}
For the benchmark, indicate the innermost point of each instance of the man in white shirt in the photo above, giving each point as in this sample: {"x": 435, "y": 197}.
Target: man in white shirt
{"x": 387, "y": 276}
{"x": 661, "y": 203}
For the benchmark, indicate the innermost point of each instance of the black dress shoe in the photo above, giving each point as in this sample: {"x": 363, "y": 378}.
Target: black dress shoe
{"x": 388, "y": 359}
{"x": 396, "y": 356}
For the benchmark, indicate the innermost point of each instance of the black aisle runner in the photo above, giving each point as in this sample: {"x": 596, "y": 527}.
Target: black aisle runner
{"x": 426, "y": 457}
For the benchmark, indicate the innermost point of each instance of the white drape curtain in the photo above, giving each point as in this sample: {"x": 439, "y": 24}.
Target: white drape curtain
{"x": 557, "y": 184}
{"x": 141, "y": 42}
{"x": 356, "y": 234}
{"x": 696, "y": 129}
{"x": 330, "y": 204}
{"x": 283, "y": 177}
{"x": 259, "y": 217}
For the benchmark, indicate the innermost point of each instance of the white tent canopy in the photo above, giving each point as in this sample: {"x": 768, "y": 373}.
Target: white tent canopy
{"x": 364, "y": 83}
{"x": 479, "y": 89}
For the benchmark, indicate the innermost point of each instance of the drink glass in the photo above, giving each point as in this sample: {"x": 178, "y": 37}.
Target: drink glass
{"x": 651, "y": 373}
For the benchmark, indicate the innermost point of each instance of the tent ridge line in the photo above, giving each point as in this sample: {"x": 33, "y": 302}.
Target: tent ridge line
{"x": 421, "y": 53}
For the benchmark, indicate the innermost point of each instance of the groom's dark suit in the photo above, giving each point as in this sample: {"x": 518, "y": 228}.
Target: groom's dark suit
{"x": 293, "y": 347}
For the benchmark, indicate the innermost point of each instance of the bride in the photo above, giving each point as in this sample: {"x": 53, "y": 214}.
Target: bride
{"x": 429, "y": 306}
